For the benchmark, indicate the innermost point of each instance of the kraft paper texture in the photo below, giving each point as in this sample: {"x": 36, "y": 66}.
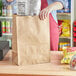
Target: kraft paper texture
{"x": 31, "y": 40}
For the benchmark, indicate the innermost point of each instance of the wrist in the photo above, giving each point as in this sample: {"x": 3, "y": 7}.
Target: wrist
{"x": 50, "y": 8}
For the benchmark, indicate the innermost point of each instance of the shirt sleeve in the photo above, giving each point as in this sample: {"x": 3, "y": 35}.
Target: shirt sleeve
{"x": 7, "y": 3}
{"x": 62, "y": 1}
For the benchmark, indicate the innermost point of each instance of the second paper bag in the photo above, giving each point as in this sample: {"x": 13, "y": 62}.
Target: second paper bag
{"x": 31, "y": 40}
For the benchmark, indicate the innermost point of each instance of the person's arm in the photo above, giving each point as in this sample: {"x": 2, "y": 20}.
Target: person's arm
{"x": 54, "y": 6}
{"x": 9, "y": 0}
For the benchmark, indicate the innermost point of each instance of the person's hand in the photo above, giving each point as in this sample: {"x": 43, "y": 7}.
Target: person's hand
{"x": 54, "y": 6}
{"x": 9, "y": 0}
{"x": 44, "y": 13}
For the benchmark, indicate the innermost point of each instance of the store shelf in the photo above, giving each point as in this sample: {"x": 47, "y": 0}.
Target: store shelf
{"x": 7, "y": 34}
{"x": 1, "y": 17}
{"x": 62, "y": 16}
{"x": 65, "y": 37}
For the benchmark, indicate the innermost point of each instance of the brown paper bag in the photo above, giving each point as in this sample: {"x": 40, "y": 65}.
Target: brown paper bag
{"x": 31, "y": 40}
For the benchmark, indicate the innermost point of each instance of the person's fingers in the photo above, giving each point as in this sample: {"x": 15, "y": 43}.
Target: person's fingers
{"x": 40, "y": 15}
{"x": 46, "y": 14}
{"x": 43, "y": 14}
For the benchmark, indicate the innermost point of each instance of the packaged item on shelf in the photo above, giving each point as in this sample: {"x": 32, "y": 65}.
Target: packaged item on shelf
{"x": 3, "y": 27}
{"x": 74, "y": 28}
{"x": 60, "y": 46}
{"x": 4, "y": 10}
{"x": 66, "y": 6}
{"x": 65, "y": 28}
{"x": 63, "y": 45}
{"x": 1, "y": 4}
{"x": 0, "y": 11}
{"x": 74, "y": 23}
{"x": 0, "y": 29}
{"x": 69, "y": 6}
{"x": 60, "y": 11}
{"x": 60, "y": 26}
{"x": 8, "y": 26}
{"x": 28, "y": 7}
{"x": 9, "y": 11}
{"x": 68, "y": 53}
{"x": 74, "y": 33}
{"x": 74, "y": 39}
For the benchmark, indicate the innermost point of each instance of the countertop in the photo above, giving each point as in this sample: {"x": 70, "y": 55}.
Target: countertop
{"x": 54, "y": 68}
